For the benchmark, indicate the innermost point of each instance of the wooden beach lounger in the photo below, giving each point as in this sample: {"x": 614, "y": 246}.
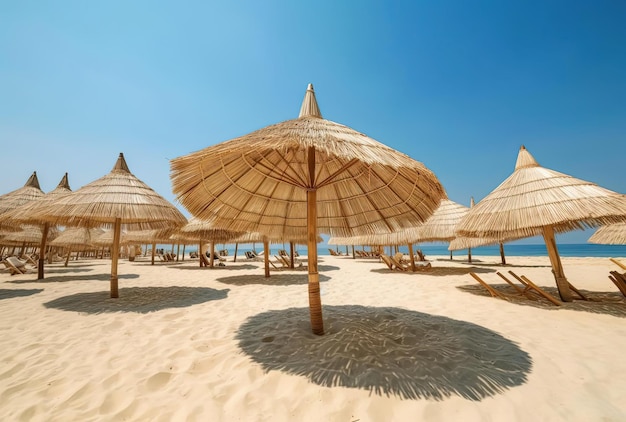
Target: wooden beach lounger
{"x": 619, "y": 280}
{"x": 529, "y": 287}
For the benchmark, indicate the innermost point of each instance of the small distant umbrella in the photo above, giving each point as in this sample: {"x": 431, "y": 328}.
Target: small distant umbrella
{"x": 14, "y": 199}
{"x": 613, "y": 234}
{"x": 113, "y": 200}
{"x": 304, "y": 177}
{"x": 26, "y": 212}
{"x": 75, "y": 238}
{"x": 538, "y": 201}
{"x": 28, "y": 234}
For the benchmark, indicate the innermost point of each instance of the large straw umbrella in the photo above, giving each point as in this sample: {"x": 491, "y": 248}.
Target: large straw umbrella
{"x": 538, "y": 201}
{"x": 113, "y": 200}
{"x": 14, "y": 199}
{"x": 25, "y": 213}
{"x": 613, "y": 234}
{"x": 303, "y": 177}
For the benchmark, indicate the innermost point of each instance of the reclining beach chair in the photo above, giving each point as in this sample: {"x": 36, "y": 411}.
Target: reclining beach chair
{"x": 400, "y": 266}
{"x": 17, "y": 266}
{"x": 529, "y": 287}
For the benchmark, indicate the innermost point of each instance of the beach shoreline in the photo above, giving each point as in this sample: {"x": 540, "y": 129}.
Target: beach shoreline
{"x": 189, "y": 343}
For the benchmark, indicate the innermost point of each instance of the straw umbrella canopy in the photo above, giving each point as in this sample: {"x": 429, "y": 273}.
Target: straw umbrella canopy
{"x": 304, "y": 177}
{"x": 538, "y": 201}
{"x": 613, "y": 234}
{"x": 28, "y": 234}
{"x": 76, "y": 237}
{"x": 14, "y": 199}
{"x": 26, "y": 212}
{"x": 115, "y": 199}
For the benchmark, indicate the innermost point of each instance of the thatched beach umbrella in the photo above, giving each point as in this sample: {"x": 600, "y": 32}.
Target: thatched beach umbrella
{"x": 27, "y": 212}
{"x": 538, "y": 201}
{"x": 613, "y": 234}
{"x": 14, "y": 199}
{"x": 113, "y": 200}
{"x": 304, "y": 177}
{"x": 203, "y": 231}
{"x": 75, "y": 238}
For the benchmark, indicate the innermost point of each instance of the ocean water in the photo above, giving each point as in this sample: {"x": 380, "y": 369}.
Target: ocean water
{"x": 565, "y": 250}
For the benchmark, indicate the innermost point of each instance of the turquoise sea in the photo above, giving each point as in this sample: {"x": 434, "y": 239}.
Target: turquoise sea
{"x": 565, "y": 250}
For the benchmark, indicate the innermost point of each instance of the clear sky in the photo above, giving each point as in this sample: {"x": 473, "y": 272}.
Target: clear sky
{"x": 457, "y": 85}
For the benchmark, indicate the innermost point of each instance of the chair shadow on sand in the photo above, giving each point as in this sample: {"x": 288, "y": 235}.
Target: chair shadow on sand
{"x": 387, "y": 351}
{"x": 11, "y": 293}
{"x": 274, "y": 280}
{"x": 606, "y": 303}
{"x": 137, "y": 299}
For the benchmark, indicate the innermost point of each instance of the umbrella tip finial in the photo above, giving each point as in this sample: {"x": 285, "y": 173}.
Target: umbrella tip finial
{"x": 309, "y": 104}
{"x": 121, "y": 165}
{"x": 33, "y": 181}
{"x": 64, "y": 183}
{"x": 524, "y": 159}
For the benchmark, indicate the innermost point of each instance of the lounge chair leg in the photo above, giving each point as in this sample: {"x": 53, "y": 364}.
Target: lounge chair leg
{"x": 493, "y": 292}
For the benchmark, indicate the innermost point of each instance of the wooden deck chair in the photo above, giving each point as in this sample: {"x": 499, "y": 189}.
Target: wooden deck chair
{"x": 251, "y": 256}
{"x": 493, "y": 292}
{"x": 619, "y": 264}
{"x": 387, "y": 261}
{"x": 532, "y": 286}
{"x": 333, "y": 252}
{"x": 399, "y": 256}
{"x": 399, "y": 265}
{"x": 13, "y": 270}
{"x": 18, "y": 265}
{"x": 619, "y": 280}
{"x": 420, "y": 255}
{"x": 282, "y": 261}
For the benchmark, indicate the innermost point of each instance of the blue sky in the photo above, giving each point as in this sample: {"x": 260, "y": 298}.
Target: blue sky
{"x": 457, "y": 85}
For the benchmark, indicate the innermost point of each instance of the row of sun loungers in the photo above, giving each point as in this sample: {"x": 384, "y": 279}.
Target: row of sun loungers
{"x": 399, "y": 263}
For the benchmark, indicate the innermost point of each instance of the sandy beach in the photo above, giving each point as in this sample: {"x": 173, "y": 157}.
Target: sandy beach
{"x": 184, "y": 343}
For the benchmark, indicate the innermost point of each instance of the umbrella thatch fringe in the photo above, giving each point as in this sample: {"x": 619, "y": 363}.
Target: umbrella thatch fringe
{"x": 613, "y": 234}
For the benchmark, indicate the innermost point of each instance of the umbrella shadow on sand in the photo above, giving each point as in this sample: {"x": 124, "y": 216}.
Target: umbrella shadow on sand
{"x": 11, "y": 293}
{"x": 437, "y": 271}
{"x": 227, "y": 266}
{"x": 387, "y": 351}
{"x": 275, "y": 280}
{"x": 607, "y": 303}
{"x": 66, "y": 278}
{"x": 137, "y": 299}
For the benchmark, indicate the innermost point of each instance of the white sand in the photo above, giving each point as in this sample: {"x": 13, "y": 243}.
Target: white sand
{"x": 184, "y": 343}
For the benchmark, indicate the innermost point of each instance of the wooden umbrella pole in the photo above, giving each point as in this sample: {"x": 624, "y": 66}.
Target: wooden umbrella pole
{"x": 292, "y": 263}
{"x": 412, "y": 257}
{"x": 557, "y": 269}
{"x": 42, "y": 249}
{"x": 212, "y": 259}
{"x": 315, "y": 301}
{"x": 114, "y": 254}
{"x": 153, "y": 253}
{"x": 235, "y": 257}
{"x": 502, "y": 253}
{"x": 469, "y": 255}
{"x": 266, "y": 256}
{"x": 69, "y": 254}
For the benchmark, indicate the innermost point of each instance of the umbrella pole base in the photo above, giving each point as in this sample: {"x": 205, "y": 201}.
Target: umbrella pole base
{"x": 315, "y": 305}
{"x": 114, "y": 290}
{"x": 564, "y": 291}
